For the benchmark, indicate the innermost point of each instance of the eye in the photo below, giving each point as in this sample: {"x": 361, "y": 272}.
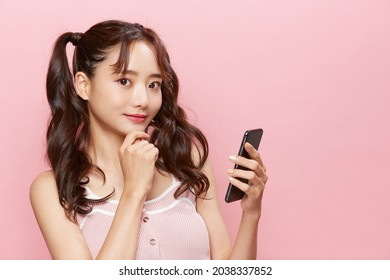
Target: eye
{"x": 124, "y": 82}
{"x": 155, "y": 85}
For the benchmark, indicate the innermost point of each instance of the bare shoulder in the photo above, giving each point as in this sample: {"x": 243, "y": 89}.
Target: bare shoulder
{"x": 63, "y": 237}
{"x": 44, "y": 183}
{"x": 45, "y": 177}
{"x": 196, "y": 153}
{"x": 44, "y": 194}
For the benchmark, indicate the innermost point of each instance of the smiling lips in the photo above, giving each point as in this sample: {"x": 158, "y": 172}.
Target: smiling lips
{"x": 136, "y": 118}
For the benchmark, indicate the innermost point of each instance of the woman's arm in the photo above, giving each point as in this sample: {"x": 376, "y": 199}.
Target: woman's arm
{"x": 208, "y": 208}
{"x": 245, "y": 246}
{"x": 64, "y": 238}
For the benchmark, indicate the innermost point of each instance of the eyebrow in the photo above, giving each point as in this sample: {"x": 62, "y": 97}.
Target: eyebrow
{"x": 135, "y": 73}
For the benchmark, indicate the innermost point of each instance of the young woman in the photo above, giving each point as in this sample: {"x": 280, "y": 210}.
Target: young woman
{"x": 130, "y": 177}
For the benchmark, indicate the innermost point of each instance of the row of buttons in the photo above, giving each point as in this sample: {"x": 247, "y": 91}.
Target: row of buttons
{"x": 152, "y": 241}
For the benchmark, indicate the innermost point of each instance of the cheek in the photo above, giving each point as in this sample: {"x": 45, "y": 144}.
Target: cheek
{"x": 107, "y": 97}
{"x": 156, "y": 103}
{"x": 118, "y": 101}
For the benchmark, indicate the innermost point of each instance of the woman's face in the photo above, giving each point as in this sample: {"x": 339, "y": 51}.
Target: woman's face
{"x": 127, "y": 101}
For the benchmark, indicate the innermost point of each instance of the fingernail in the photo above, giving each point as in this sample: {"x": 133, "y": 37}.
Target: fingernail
{"x": 233, "y": 158}
{"x": 230, "y": 171}
{"x": 249, "y": 145}
{"x": 231, "y": 179}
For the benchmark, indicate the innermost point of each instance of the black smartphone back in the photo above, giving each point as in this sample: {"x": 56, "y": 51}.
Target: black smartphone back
{"x": 253, "y": 137}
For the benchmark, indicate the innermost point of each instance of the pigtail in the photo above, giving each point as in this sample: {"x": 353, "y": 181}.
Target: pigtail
{"x": 67, "y": 132}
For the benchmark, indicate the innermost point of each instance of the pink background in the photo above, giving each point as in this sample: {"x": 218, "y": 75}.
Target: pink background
{"x": 313, "y": 74}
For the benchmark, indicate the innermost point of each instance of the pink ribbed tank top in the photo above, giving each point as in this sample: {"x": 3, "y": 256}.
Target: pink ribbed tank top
{"x": 170, "y": 228}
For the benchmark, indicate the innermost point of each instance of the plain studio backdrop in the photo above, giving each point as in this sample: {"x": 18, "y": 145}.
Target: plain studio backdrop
{"x": 313, "y": 74}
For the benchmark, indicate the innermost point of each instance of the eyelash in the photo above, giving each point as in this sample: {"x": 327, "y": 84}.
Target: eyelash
{"x": 127, "y": 82}
{"x": 157, "y": 83}
{"x": 124, "y": 80}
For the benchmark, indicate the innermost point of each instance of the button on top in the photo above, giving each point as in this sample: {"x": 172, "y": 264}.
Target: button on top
{"x": 153, "y": 241}
{"x": 145, "y": 219}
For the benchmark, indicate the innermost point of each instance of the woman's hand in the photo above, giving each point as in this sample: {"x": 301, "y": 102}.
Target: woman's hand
{"x": 137, "y": 158}
{"x": 256, "y": 176}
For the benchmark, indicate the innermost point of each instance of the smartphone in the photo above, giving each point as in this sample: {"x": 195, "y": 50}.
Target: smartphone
{"x": 252, "y": 136}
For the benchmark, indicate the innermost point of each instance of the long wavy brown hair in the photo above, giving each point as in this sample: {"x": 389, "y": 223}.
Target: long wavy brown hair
{"x": 68, "y": 130}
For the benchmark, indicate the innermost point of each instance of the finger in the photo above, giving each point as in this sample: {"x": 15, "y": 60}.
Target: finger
{"x": 254, "y": 154}
{"x": 145, "y": 149}
{"x": 237, "y": 183}
{"x": 243, "y": 174}
{"x": 150, "y": 151}
{"x": 250, "y": 164}
{"x": 140, "y": 146}
{"x": 133, "y": 137}
{"x": 249, "y": 175}
{"x": 251, "y": 190}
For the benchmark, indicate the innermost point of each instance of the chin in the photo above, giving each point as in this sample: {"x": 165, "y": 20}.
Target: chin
{"x": 141, "y": 128}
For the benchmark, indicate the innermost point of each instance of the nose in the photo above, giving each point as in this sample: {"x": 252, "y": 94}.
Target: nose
{"x": 139, "y": 97}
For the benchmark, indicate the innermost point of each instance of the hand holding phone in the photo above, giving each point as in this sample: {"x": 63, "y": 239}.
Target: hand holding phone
{"x": 253, "y": 137}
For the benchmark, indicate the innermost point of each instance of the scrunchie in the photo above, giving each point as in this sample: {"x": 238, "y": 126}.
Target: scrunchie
{"x": 139, "y": 26}
{"x": 75, "y": 38}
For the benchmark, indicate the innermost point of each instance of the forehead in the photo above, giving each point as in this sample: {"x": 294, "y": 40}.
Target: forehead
{"x": 141, "y": 56}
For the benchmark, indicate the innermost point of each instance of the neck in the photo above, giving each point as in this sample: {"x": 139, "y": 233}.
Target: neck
{"x": 103, "y": 149}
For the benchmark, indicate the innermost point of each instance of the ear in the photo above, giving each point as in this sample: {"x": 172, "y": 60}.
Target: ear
{"x": 82, "y": 85}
